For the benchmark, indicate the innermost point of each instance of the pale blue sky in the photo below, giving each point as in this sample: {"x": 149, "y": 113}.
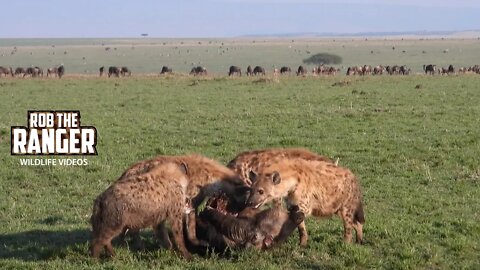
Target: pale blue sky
{"x": 230, "y": 18}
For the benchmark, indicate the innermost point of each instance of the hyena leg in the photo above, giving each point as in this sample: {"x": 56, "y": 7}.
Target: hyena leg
{"x": 191, "y": 225}
{"x": 177, "y": 229}
{"x": 347, "y": 217}
{"x": 96, "y": 247}
{"x": 162, "y": 236}
{"x": 302, "y": 232}
{"x": 104, "y": 240}
{"x": 137, "y": 242}
{"x": 359, "y": 230}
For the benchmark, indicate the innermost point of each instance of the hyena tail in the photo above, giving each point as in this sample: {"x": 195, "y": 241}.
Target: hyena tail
{"x": 359, "y": 216}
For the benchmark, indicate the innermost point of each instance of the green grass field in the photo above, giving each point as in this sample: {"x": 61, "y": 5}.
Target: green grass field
{"x": 416, "y": 152}
{"x": 85, "y": 56}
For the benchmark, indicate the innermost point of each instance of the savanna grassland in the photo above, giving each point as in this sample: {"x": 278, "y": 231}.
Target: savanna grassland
{"x": 86, "y": 56}
{"x": 413, "y": 141}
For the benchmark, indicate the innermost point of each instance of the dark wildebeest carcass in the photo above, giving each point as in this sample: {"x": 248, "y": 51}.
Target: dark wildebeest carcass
{"x": 124, "y": 71}
{"x": 301, "y": 71}
{"x": 249, "y": 71}
{"x": 20, "y": 71}
{"x": 259, "y": 70}
{"x": 284, "y": 70}
{"x": 115, "y": 71}
{"x": 165, "y": 70}
{"x": 429, "y": 69}
{"x": 101, "y": 70}
{"x": 199, "y": 70}
{"x": 235, "y": 70}
{"x": 223, "y": 228}
{"x": 6, "y": 71}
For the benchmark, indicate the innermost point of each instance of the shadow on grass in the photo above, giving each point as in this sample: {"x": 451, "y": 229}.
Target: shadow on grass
{"x": 36, "y": 245}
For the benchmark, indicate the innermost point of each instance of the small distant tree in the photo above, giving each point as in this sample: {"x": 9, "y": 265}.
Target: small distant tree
{"x": 323, "y": 58}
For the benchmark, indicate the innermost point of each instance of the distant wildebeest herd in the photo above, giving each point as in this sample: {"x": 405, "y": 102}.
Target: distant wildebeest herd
{"x": 32, "y": 72}
{"x": 432, "y": 70}
{"x": 115, "y": 71}
{"x": 211, "y": 206}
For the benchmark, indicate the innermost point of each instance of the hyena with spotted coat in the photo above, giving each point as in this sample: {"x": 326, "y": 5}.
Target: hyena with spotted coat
{"x": 206, "y": 178}
{"x": 254, "y": 161}
{"x": 319, "y": 188}
{"x": 140, "y": 201}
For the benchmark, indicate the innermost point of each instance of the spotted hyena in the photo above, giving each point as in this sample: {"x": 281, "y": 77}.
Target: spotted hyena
{"x": 253, "y": 161}
{"x": 141, "y": 201}
{"x": 206, "y": 178}
{"x": 319, "y": 188}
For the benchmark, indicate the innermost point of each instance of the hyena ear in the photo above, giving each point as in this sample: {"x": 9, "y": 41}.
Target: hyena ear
{"x": 184, "y": 168}
{"x": 252, "y": 176}
{"x": 276, "y": 178}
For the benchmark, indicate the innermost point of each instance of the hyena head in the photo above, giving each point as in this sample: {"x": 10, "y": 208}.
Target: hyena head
{"x": 264, "y": 188}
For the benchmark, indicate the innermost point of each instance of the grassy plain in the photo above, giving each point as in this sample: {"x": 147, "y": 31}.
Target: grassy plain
{"x": 416, "y": 152}
{"x": 85, "y": 56}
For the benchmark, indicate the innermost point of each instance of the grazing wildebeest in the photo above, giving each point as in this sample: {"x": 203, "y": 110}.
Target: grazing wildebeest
{"x": 285, "y": 70}
{"x": 404, "y": 70}
{"x": 259, "y": 70}
{"x": 6, "y": 71}
{"x": 321, "y": 69}
{"x": 332, "y": 70}
{"x": 115, "y": 71}
{"x": 20, "y": 71}
{"x": 39, "y": 71}
{"x": 300, "y": 71}
{"x": 249, "y": 71}
{"x": 378, "y": 70}
{"x": 125, "y": 71}
{"x": 356, "y": 70}
{"x": 52, "y": 71}
{"x": 388, "y": 69}
{"x": 451, "y": 69}
{"x": 101, "y": 70}
{"x": 235, "y": 70}
{"x": 61, "y": 71}
{"x": 475, "y": 69}
{"x": 395, "y": 70}
{"x": 199, "y": 70}
{"x": 429, "y": 69}
{"x": 166, "y": 69}
{"x": 366, "y": 70}
{"x": 31, "y": 71}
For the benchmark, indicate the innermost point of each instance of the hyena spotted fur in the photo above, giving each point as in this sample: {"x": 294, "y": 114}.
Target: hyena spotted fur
{"x": 253, "y": 161}
{"x": 319, "y": 188}
{"x": 140, "y": 201}
{"x": 206, "y": 178}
